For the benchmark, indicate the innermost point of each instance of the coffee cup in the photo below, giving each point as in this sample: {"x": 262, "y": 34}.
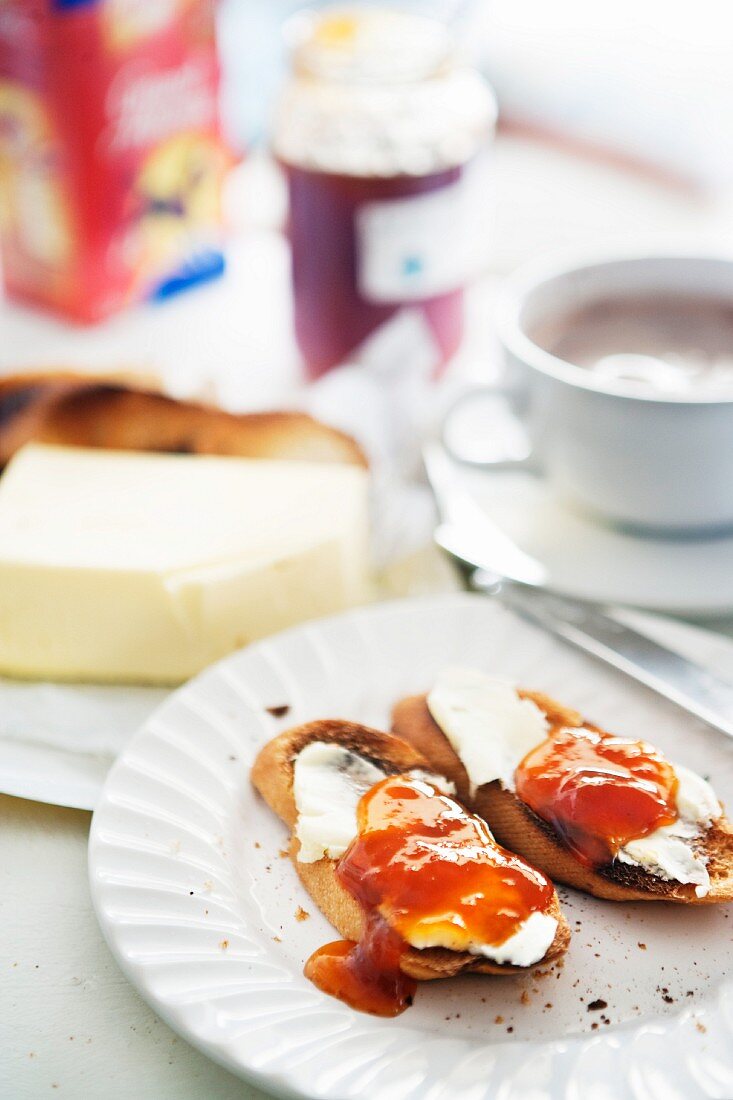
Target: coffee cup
{"x": 634, "y": 451}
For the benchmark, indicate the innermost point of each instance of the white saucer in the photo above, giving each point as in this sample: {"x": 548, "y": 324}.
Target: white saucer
{"x": 589, "y": 559}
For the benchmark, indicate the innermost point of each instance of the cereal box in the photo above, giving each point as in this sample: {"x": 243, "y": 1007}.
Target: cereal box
{"x": 111, "y": 156}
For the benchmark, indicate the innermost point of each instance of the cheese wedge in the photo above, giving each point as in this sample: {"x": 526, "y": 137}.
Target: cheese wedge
{"x": 119, "y": 566}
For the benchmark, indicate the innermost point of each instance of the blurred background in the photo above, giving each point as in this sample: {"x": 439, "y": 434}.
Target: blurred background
{"x": 615, "y": 125}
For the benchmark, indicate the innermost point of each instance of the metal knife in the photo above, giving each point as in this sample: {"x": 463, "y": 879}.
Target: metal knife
{"x": 499, "y": 567}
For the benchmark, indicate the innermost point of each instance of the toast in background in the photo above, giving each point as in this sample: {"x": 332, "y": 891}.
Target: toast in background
{"x": 517, "y": 827}
{"x": 80, "y": 410}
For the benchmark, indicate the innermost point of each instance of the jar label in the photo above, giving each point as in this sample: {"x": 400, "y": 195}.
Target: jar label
{"x": 417, "y": 247}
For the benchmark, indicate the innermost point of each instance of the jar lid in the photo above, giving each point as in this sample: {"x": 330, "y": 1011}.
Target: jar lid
{"x": 371, "y": 45}
{"x": 379, "y": 93}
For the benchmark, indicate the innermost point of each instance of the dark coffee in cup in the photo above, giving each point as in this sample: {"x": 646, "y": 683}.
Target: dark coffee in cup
{"x": 666, "y": 342}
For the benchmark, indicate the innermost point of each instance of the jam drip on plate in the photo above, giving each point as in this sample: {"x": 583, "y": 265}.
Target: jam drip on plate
{"x": 598, "y": 791}
{"x": 427, "y": 873}
{"x": 366, "y": 975}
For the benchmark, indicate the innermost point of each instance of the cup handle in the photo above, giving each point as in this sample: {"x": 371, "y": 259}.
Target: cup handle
{"x": 484, "y": 427}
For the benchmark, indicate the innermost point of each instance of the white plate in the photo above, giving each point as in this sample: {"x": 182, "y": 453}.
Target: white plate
{"x": 588, "y": 558}
{"x": 199, "y": 908}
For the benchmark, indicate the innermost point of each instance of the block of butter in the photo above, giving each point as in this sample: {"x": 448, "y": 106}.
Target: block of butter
{"x": 144, "y": 568}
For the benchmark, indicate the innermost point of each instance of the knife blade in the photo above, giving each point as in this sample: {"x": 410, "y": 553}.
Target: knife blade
{"x": 500, "y": 568}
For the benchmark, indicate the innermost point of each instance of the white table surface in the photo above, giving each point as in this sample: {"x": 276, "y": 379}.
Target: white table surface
{"x": 69, "y": 1022}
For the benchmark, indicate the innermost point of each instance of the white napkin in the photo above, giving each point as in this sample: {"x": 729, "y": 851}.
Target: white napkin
{"x": 57, "y": 741}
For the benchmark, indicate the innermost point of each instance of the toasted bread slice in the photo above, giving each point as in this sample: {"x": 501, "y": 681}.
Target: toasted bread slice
{"x": 84, "y": 411}
{"x": 272, "y": 775}
{"x": 520, "y": 830}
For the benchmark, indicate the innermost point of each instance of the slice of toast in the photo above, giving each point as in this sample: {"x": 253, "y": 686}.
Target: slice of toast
{"x": 86, "y": 411}
{"x": 520, "y": 830}
{"x": 272, "y": 775}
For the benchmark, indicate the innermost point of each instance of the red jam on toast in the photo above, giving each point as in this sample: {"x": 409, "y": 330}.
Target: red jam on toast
{"x": 428, "y": 874}
{"x": 598, "y": 791}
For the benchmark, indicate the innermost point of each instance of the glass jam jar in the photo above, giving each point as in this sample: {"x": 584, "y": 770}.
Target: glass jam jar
{"x": 382, "y": 134}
